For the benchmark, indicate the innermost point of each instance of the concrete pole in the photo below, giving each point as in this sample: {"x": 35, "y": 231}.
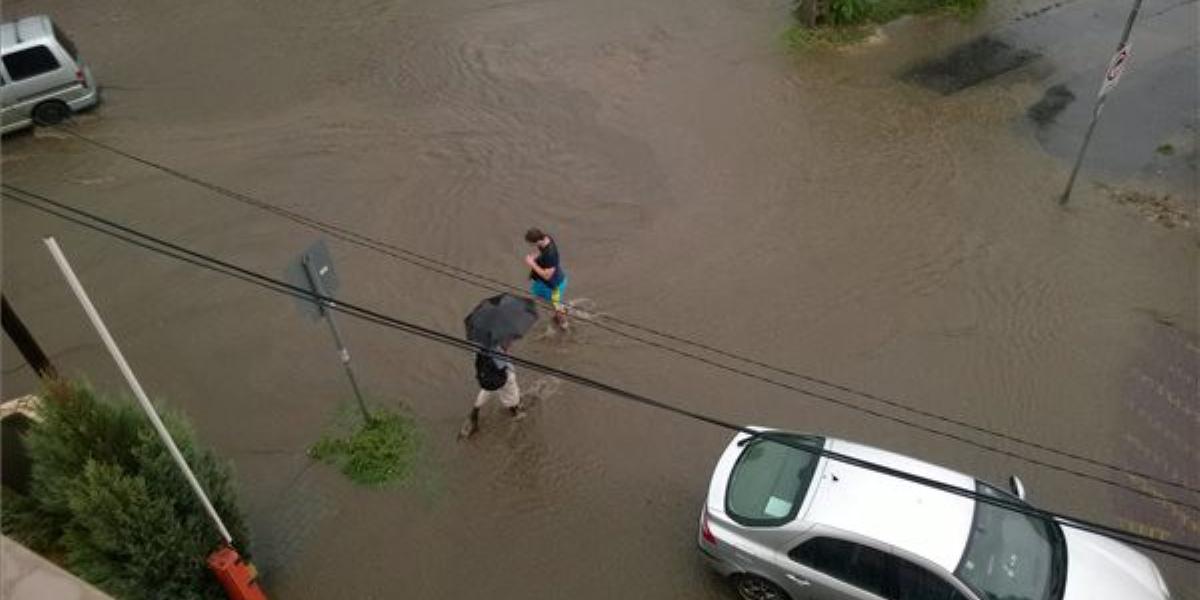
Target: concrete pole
{"x": 138, "y": 392}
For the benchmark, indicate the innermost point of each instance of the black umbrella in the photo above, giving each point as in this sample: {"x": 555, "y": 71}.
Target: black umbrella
{"x": 501, "y": 319}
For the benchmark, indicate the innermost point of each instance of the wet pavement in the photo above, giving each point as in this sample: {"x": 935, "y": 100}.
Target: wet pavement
{"x": 971, "y": 64}
{"x": 818, "y": 212}
{"x": 1150, "y": 121}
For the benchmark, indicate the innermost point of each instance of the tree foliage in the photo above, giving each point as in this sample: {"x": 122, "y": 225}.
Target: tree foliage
{"x": 859, "y": 12}
{"x": 107, "y": 499}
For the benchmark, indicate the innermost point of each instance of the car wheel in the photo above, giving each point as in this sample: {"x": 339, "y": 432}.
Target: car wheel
{"x": 51, "y": 112}
{"x": 753, "y": 587}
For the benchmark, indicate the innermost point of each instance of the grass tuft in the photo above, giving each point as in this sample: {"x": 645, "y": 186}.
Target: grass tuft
{"x": 379, "y": 452}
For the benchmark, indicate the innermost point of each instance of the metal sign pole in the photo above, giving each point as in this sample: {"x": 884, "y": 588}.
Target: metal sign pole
{"x": 138, "y": 392}
{"x": 314, "y": 279}
{"x": 1111, "y": 75}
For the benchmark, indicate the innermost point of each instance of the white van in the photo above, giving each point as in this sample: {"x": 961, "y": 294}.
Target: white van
{"x": 42, "y": 79}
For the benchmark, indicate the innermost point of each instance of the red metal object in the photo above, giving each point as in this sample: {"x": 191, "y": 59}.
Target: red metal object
{"x": 238, "y": 577}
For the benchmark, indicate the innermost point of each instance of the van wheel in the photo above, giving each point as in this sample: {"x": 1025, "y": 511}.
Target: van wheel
{"x": 753, "y": 587}
{"x": 51, "y": 112}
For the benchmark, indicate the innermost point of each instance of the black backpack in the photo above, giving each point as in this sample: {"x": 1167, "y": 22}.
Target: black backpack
{"x": 490, "y": 376}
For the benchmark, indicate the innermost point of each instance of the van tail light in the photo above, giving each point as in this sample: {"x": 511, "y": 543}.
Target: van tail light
{"x": 80, "y": 78}
{"x": 705, "y": 532}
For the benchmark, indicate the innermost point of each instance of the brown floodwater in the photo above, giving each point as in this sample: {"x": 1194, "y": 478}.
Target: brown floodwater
{"x": 817, "y": 212}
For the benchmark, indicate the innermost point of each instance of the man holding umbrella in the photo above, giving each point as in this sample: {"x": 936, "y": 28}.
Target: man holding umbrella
{"x": 494, "y": 325}
{"x": 497, "y": 379}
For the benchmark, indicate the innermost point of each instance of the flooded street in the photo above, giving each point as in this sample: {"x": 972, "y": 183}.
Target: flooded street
{"x": 816, "y": 212}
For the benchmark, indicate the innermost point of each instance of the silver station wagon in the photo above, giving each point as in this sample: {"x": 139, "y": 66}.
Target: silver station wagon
{"x": 42, "y": 78}
{"x": 783, "y": 523}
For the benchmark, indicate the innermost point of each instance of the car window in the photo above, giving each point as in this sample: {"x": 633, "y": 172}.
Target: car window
{"x": 861, "y": 566}
{"x": 1012, "y": 556}
{"x": 770, "y": 479}
{"x": 914, "y": 582}
{"x": 65, "y": 42}
{"x": 30, "y": 62}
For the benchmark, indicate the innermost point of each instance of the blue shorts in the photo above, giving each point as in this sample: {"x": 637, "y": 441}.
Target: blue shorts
{"x": 543, "y": 291}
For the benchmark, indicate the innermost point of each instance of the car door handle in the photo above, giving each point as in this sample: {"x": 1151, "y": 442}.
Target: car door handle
{"x": 800, "y": 581}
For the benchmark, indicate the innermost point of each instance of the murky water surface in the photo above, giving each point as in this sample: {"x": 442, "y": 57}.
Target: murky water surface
{"x": 821, "y": 213}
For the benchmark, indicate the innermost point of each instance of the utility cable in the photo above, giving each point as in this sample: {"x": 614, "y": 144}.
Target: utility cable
{"x": 171, "y": 250}
{"x": 494, "y": 285}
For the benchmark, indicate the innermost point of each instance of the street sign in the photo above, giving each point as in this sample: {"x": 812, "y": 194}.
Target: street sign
{"x": 297, "y": 274}
{"x": 314, "y": 271}
{"x": 1116, "y": 67}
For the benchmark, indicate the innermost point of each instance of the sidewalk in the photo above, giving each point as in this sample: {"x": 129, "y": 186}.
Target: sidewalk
{"x": 1149, "y": 125}
{"x": 27, "y": 576}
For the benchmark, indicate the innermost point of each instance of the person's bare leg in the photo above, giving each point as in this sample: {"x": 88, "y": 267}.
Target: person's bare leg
{"x": 511, "y": 396}
{"x": 560, "y": 317}
{"x": 471, "y": 425}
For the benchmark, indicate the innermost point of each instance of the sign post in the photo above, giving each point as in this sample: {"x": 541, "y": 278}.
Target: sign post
{"x": 318, "y": 272}
{"x": 1116, "y": 67}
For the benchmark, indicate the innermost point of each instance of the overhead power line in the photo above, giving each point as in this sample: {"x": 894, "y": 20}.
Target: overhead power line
{"x": 177, "y": 252}
{"x": 489, "y": 283}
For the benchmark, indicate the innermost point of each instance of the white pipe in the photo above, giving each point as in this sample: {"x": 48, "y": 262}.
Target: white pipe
{"x": 111, "y": 344}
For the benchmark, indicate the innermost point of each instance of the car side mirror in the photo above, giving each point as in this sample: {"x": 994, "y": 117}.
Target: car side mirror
{"x": 1018, "y": 488}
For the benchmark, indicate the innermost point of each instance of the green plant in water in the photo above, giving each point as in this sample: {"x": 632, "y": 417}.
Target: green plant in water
{"x": 380, "y": 451}
{"x": 848, "y": 12}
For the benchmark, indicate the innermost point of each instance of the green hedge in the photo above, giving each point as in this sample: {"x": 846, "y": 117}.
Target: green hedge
{"x": 856, "y": 12}
{"x": 108, "y": 502}
{"x": 851, "y": 21}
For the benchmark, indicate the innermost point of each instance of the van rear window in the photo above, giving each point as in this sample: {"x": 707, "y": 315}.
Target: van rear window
{"x": 30, "y": 62}
{"x": 770, "y": 479}
{"x": 66, "y": 42}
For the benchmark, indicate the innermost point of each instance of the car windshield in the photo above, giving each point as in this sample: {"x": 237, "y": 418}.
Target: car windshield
{"x": 1011, "y": 556}
{"x": 770, "y": 479}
